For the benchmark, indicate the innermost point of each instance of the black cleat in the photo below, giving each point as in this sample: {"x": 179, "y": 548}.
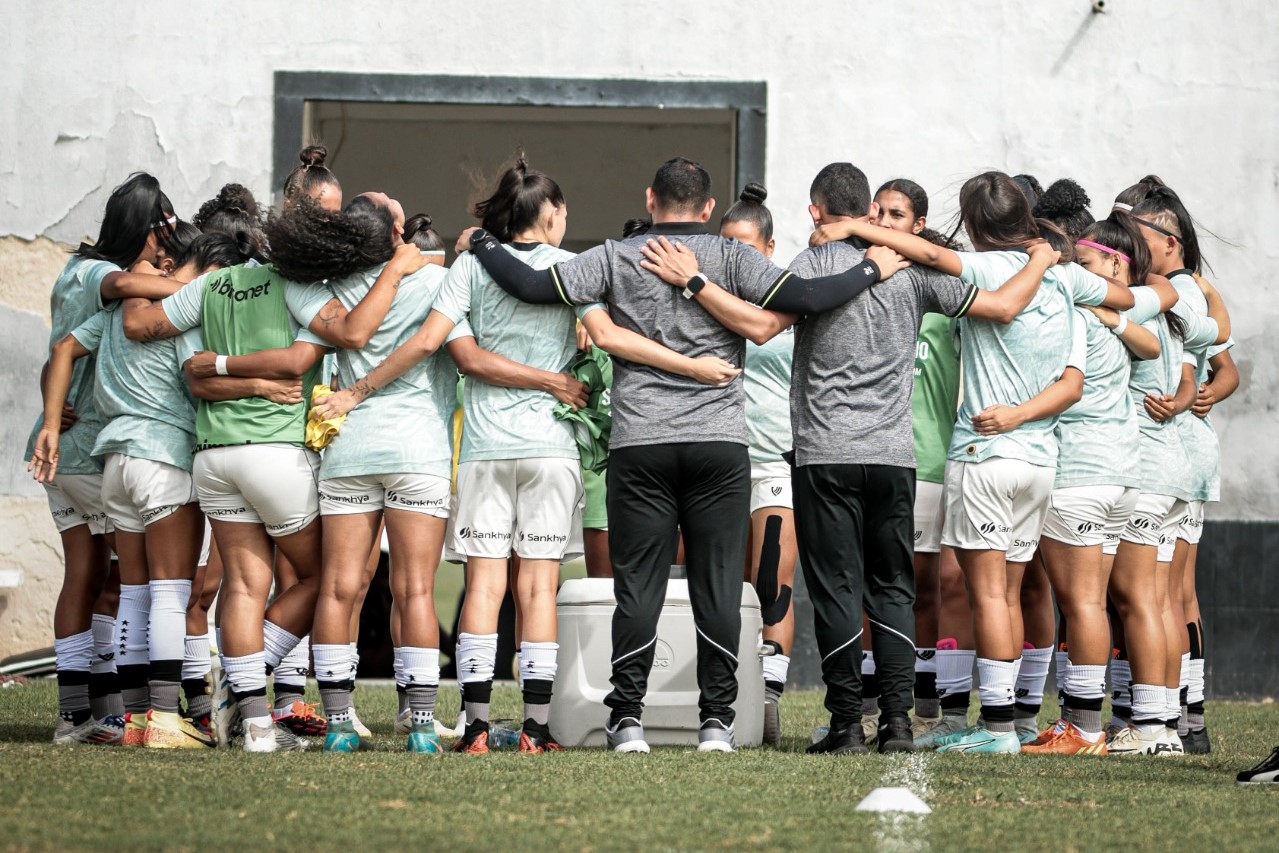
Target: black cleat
{"x": 1267, "y": 772}
{"x": 1197, "y": 742}
{"x": 895, "y": 735}
{"x": 845, "y": 741}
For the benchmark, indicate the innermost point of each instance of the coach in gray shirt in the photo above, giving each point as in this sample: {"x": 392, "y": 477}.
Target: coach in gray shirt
{"x": 854, "y": 454}
{"x": 678, "y": 449}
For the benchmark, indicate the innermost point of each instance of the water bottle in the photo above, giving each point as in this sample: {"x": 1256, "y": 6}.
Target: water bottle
{"x": 503, "y": 734}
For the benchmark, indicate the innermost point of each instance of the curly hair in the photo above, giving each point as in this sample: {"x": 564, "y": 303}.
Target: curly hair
{"x": 310, "y": 244}
{"x": 233, "y": 211}
{"x": 1065, "y": 203}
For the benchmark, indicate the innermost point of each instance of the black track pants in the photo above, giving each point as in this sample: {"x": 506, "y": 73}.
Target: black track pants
{"x": 855, "y": 526}
{"x": 703, "y": 487}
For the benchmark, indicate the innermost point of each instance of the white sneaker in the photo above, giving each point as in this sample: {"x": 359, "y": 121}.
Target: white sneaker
{"x": 90, "y": 731}
{"x": 627, "y": 737}
{"x": 360, "y": 729}
{"x": 259, "y": 735}
{"x": 714, "y": 736}
{"x": 1130, "y": 741}
{"x": 1171, "y": 744}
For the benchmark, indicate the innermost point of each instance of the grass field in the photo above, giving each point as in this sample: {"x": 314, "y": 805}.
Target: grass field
{"x": 674, "y": 799}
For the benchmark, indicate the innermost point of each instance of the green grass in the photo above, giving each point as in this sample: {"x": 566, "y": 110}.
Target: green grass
{"x": 94, "y": 797}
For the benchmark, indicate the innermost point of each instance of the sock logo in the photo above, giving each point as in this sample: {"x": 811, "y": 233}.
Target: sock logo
{"x": 925, "y": 654}
{"x": 776, "y": 490}
{"x": 919, "y": 534}
{"x": 1021, "y": 692}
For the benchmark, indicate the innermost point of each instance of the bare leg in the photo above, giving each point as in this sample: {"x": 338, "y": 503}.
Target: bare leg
{"x": 598, "y": 564}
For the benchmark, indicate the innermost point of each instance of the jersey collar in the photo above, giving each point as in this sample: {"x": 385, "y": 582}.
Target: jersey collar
{"x": 678, "y": 228}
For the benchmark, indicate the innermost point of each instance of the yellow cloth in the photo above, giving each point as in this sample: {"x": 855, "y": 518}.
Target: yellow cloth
{"x": 320, "y": 432}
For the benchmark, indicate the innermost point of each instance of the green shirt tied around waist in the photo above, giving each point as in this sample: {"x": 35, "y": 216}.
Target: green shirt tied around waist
{"x": 242, "y": 310}
{"x": 593, "y": 423}
{"x": 935, "y": 396}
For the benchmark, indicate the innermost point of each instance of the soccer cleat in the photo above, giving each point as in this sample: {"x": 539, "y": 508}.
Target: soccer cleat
{"x": 981, "y": 741}
{"x": 1066, "y": 740}
{"x": 920, "y": 726}
{"x": 626, "y": 736}
{"x": 948, "y": 725}
{"x": 114, "y": 724}
{"x": 404, "y": 722}
{"x": 537, "y": 739}
{"x": 1171, "y": 744}
{"x": 1265, "y": 773}
{"x": 1027, "y": 729}
{"x": 225, "y": 716}
{"x": 714, "y": 736}
{"x": 259, "y": 735}
{"x": 870, "y": 728}
{"x": 1047, "y": 734}
{"x": 424, "y": 740}
{"x": 772, "y": 723}
{"x": 1131, "y": 741}
{"x": 301, "y": 719}
{"x": 850, "y": 740}
{"x": 1116, "y": 725}
{"x": 167, "y": 730}
{"x": 475, "y": 740}
{"x": 90, "y": 731}
{"x": 894, "y": 735}
{"x": 1197, "y": 742}
{"x": 203, "y": 727}
{"x": 135, "y": 730}
{"x": 341, "y": 737}
{"x": 360, "y": 729}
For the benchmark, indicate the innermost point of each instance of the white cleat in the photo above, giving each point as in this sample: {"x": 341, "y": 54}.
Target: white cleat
{"x": 360, "y": 729}
{"x": 1131, "y": 741}
{"x": 90, "y": 731}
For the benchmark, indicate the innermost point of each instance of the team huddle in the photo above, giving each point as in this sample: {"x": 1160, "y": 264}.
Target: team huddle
{"x": 244, "y": 407}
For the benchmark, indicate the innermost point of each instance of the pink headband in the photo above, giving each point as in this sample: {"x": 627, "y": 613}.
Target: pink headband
{"x": 1101, "y": 248}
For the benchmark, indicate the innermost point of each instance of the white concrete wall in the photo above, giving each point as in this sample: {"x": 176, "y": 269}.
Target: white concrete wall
{"x": 933, "y": 91}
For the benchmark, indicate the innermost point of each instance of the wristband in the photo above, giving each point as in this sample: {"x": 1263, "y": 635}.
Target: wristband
{"x": 694, "y": 285}
{"x": 219, "y": 365}
{"x": 1123, "y": 324}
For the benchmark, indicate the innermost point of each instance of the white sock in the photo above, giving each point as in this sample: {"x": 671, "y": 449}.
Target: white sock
{"x": 421, "y": 670}
{"x": 168, "y": 619}
{"x": 1121, "y": 684}
{"x": 539, "y": 661}
{"x": 131, "y": 625}
{"x": 196, "y": 662}
{"x": 1149, "y": 703}
{"x": 476, "y": 657}
{"x": 103, "y": 644}
{"x": 247, "y": 672}
{"x": 277, "y": 643}
{"x": 955, "y": 671}
{"x": 926, "y": 660}
{"x": 1172, "y": 702}
{"x": 995, "y": 681}
{"x": 1185, "y": 672}
{"x": 332, "y": 662}
{"x": 74, "y": 653}
{"x": 1060, "y": 660}
{"x": 397, "y": 664}
{"x": 1032, "y": 675}
{"x": 1085, "y": 681}
{"x": 1195, "y": 681}
{"x": 296, "y": 665}
{"x": 776, "y": 668}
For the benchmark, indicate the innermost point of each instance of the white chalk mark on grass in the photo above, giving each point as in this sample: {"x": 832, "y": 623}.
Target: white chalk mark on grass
{"x": 904, "y": 832}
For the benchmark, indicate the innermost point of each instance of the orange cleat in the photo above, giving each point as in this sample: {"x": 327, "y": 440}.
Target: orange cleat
{"x": 301, "y": 719}
{"x": 1067, "y": 741}
{"x": 476, "y": 739}
{"x": 135, "y": 730}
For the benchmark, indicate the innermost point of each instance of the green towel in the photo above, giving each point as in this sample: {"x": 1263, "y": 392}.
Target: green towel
{"x": 593, "y": 423}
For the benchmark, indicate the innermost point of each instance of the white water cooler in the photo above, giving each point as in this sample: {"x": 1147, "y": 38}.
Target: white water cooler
{"x": 585, "y": 611}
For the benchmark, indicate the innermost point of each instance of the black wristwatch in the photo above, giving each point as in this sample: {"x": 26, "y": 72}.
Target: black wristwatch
{"x": 694, "y": 285}
{"x": 479, "y": 235}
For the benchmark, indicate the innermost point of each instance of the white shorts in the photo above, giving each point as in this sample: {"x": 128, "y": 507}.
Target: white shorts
{"x": 769, "y": 489}
{"x": 1084, "y": 516}
{"x": 529, "y": 506}
{"x": 1154, "y": 522}
{"x": 424, "y": 493}
{"x": 1190, "y": 526}
{"x": 207, "y": 545}
{"x": 269, "y": 484}
{"x": 76, "y": 499}
{"x": 996, "y": 505}
{"x": 138, "y": 492}
{"x": 930, "y": 513}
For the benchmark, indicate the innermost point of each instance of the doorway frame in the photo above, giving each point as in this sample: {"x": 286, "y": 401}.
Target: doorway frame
{"x": 749, "y": 100}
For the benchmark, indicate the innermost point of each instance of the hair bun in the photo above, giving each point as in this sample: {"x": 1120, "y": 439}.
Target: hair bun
{"x": 1063, "y": 199}
{"x": 313, "y": 156}
{"x": 754, "y": 193}
{"x": 236, "y": 197}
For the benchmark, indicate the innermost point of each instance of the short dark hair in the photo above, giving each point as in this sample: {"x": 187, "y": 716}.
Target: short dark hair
{"x": 843, "y": 189}
{"x": 681, "y": 184}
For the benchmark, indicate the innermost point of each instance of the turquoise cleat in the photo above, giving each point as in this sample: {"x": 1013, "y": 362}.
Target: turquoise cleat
{"x": 341, "y": 737}
{"x": 423, "y": 739}
{"x": 983, "y": 741}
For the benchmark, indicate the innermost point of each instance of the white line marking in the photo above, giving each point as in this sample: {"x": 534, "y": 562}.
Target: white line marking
{"x": 903, "y": 832}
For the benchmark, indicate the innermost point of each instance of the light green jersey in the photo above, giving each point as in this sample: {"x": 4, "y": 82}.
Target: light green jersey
{"x": 1165, "y": 469}
{"x": 141, "y": 392}
{"x": 767, "y": 380}
{"x": 934, "y": 395}
{"x": 1197, "y": 434}
{"x": 1098, "y": 436}
{"x": 512, "y": 423}
{"x": 242, "y": 310}
{"x": 76, "y": 296}
{"x": 1012, "y": 363}
{"x": 406, "y": 427}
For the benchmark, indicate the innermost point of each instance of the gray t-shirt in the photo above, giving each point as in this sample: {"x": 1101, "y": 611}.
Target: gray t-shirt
{"x": 651, "y": 406}
{"x": 854, "y": 366}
